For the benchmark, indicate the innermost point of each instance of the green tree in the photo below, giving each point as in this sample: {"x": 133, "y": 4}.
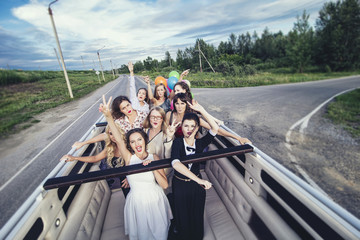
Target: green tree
{"x": 338, "y": 35}
{"x": 299, "y": 47}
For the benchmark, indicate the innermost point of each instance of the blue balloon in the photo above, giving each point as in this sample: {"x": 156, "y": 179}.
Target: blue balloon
{"x": 171, "y": 82}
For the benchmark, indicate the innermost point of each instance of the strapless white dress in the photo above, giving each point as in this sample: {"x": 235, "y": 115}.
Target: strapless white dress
{"x": 147, "y": 210}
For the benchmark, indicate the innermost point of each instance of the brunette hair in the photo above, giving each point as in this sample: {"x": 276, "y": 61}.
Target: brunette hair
{"x": 184, "y": 98}
{"x": 147, "y": 123}
{"x": 155, "y": 91}
{"x": 136, "y": 130}
{"x": 115, "y": 107}
{"x": 184, "y": 86}
{"x": 147, "y": 95}
{"x": 191, "y": 116}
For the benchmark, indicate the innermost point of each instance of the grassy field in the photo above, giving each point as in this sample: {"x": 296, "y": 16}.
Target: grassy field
{"x": 216, "y": 80}
{"x": 37, "y": 91}
{"x": 345, "y": 111}
{"x": 24, "y": 94}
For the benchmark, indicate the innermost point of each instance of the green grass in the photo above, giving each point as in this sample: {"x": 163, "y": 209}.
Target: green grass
{"x": 21, "y": 102}
{"x": 269, "y": 77}
{"x": 345, "y": 111}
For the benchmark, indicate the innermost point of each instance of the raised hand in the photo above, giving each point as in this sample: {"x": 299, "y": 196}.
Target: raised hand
{"x": 147, "y": 79}
{"x": 105, "y": 107}
{"x": 171, "y": 129}
{"x": 195, "y": 106}
{"x": 186, "y": 72}
{"x": 130, "y": 67}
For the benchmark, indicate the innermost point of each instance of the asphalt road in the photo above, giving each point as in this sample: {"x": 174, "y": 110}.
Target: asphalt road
{"x": 263, "y": 114}
{"x": 286, "y": 122}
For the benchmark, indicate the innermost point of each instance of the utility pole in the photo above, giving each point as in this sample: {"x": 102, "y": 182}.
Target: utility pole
{"x": 58, "y": 58}
{"x": 206, "y": 59}
{"x": 60, "y": 52}
{"x": 199, "y": 56}
{"x": 102, "y": 70}
{"x": 112, "y": 69}
{"x": 82, "y": 62}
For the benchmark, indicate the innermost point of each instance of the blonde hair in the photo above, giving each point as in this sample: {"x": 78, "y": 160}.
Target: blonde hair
{"x": 147, "y": 123}
{"x": 110, "y": 147}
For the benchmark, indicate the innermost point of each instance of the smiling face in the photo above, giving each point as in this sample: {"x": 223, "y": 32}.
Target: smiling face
{"x": 179, "y": 89}
{"x": 156, "y": 119}
{"x": 137, "y": 143}
{"x": 188, "y": 127}
{"x": 141, "y": 95}
{"x": 126, "y": 108}
{"x": 180, "y": 106}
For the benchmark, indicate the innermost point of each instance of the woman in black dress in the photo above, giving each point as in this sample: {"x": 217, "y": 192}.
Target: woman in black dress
{"x": 187, "y": 186}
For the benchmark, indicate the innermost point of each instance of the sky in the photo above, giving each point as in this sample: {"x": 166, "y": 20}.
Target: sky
{"x": 131, "y": 30}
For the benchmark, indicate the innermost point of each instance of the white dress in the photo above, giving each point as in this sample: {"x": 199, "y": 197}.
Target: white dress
{"x": 147, "y": 210}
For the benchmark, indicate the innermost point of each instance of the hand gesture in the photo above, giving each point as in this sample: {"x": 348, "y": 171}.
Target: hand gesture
{"x": 186, "y": 72}
{"x": 67, "y": 158}
{"x": 171, "y": 129}
{"x": 78, "y": 145}
{"x": 205, "y": 184}
{"x": 146, "y": 162}
{"x": 147, "y": 79}
{"x": 105, "y": 107}
{"x": 130, "y": 67}
{"x": 243, "y": 140}
{"x": 196, "y": 129}
{"x": 195, "y": 106}
{"x": 124, "y": 183}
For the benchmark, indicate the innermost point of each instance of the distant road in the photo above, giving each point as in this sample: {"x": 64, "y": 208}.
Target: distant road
{"x": 263, "y": 114}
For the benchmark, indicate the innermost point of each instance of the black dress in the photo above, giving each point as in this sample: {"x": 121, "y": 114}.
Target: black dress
{"x": 189, "y": 196}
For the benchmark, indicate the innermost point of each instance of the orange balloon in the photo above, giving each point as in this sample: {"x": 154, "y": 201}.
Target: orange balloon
{"x": 159, "y": 80}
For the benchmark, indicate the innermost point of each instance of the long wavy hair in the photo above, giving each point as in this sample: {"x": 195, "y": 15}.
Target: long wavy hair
{"x": 110, "y": 147}
{"x": 147, "y": 123}
{"x": 135, "y": 130}
{"x": 155, "y": 91}
{"x": 115, "y": 106}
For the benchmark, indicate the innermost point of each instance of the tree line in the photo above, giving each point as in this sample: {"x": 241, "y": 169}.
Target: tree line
{"x": 334, "y": 45}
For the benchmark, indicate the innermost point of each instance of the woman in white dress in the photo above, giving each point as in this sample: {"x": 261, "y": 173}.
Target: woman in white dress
{"x": 147, "y": 210}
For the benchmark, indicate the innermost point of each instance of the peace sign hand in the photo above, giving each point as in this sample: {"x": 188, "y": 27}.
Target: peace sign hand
{"x": 170, "y": 131}
{"x": 105, "y": 107}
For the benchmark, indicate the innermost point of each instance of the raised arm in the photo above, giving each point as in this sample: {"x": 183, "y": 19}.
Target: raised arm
{"x": 132, "y": 88}
{"x": 150, "y": 93}
{"x": 225, "y": 133}
{"x": 211, "y": 121}
{"x": 98, "y": 138}
{"x": 105, "y": 109}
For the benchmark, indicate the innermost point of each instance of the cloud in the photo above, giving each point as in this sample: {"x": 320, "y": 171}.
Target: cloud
{"x": 133, "y": 30}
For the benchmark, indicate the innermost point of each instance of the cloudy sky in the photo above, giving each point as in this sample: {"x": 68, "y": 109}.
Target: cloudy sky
{"x": 131, "y": 29}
